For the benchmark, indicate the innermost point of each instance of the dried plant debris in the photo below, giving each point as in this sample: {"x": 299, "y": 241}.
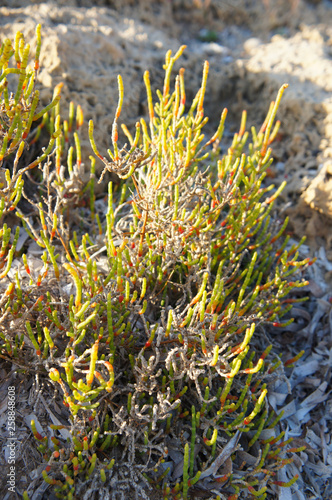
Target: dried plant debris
{"x": 138, "y": 329}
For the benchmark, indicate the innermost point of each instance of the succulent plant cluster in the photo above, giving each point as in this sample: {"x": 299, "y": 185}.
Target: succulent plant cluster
{"x": 144, "y": 314}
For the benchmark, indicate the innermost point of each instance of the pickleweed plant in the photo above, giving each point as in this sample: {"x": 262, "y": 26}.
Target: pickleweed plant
{"x": 19, "y": 100}
{"x": 146, "y": 315}
{"x": 18, "y": 113}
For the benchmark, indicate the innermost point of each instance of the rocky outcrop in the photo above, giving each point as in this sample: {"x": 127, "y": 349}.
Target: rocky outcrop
{"x": 86, "y": 47}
